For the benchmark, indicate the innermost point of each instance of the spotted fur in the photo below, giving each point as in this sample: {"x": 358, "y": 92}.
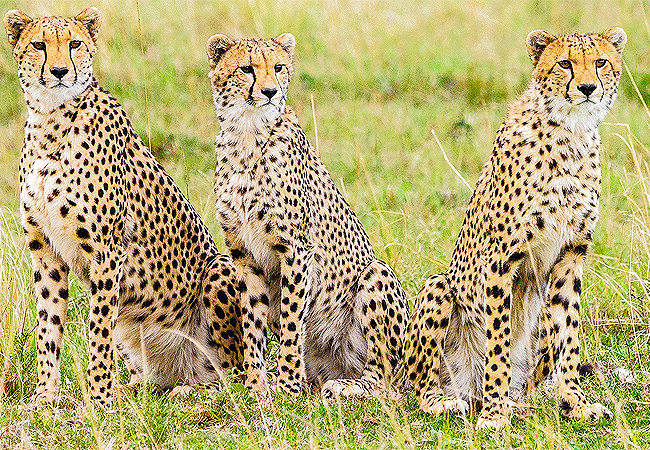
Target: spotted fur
{"x": 506, "y": 313}
{"x": 311, "y": 272}
{"x": 95, "y": 200}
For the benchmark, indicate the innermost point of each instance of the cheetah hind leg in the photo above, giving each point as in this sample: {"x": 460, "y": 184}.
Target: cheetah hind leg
{"x": 384, "y": 318}
{"x": 223, "y": 349}
{"x": 136, "y": 376}
{"x": 427, "y": 332}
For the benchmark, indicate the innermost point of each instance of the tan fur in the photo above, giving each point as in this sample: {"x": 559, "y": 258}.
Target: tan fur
{"x": 311, "y": 273}
{"x": 95, "y": 200}
{"x": 506, "y": 313}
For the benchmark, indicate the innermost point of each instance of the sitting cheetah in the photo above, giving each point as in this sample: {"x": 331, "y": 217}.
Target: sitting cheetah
{"x": 340, "y": 313}
{"x": 94, "y": 199}
{"x": 506, "y": 313}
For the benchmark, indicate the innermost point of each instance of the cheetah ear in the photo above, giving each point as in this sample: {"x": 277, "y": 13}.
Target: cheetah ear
{"x": 287, "y": 42}
{"x": 217, "y": 46}
{"x": 91, "y": 18}
{"x": 536, "y": 42}
{"x": 617, "y": 37}
{"x": 15, "y": 23}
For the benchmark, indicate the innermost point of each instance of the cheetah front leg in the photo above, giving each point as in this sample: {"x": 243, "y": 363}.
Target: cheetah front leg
{"x": 384, "y": 317}
{"x": 564, "y": 306}
{"x": 294, "y": 269}
{"x": 51, "y": 288}
{"x": 495, "y": 413}
{"x": 545, "y": 355}
{"x": 254, "y": 304}
{"x": 105, "y": 270}
{"x": 426, "y": 341}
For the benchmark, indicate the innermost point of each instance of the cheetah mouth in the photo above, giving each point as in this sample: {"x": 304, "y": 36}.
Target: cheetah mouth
{"x": 59, "y": 84}
{"x": 252, "y": 102}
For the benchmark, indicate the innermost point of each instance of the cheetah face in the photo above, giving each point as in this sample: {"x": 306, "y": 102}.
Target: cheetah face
{"x": 54, "y": 55}
{"x": 577, "y": 75}
{"x": 250, "y": 77}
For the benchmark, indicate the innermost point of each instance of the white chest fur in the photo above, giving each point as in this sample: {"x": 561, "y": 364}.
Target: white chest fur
{"x": 46, "y": 202}
{"x": 246, "y": 200}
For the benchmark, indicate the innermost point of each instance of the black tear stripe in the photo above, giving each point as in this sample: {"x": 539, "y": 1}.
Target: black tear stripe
{"x": 73, "y": 64}
{"x": 250, "y": 91}
{"x": 569, "y": 83}
{"x": 602, "y": 85}
{"x": 43, "y": 66}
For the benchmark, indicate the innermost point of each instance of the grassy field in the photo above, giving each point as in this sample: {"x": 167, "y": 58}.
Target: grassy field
{"x": 372, "y": 80}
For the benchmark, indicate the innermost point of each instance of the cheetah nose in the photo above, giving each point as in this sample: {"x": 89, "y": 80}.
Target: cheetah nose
{"x": 59, "y": 72}
{"x": 587, "y": 88}
{"x": 269, "y": 92}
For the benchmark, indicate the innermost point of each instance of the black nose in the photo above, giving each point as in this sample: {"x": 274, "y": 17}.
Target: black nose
{"x": 59, "y": 72}
{"x": 269, "y": 92}
{"x": 587, "y": 88}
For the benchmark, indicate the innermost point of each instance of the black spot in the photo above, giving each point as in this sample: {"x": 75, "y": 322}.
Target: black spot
{"x": 577, "y": 286}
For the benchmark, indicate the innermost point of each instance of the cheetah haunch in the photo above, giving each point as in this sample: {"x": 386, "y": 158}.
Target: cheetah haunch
{"x": 506, "y": 313}
{"x": 95, "y": 200}
{"x": 312, "y": 275}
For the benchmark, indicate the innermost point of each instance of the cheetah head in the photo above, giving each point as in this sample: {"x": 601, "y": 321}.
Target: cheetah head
{"x": 250, "y": 77}
{"x": 577, "y": 75}
{"x": 54, "y": 55}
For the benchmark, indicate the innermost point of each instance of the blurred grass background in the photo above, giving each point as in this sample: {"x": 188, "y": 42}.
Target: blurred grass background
{"x": 373, "y": 77}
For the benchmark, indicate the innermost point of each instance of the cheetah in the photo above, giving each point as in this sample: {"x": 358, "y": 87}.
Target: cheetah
{"x": 94, "y": 200}
{"x": 312, "y": 276}
{"x": 506, "y": 312}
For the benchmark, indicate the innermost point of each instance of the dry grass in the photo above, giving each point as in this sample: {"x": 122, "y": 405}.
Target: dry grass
{"x": 375, "y": 77}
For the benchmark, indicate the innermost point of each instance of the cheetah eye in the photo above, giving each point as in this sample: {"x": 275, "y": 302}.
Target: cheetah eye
{"x": 75, "y": 44}
{"x": 565, "y": 64}
{"x": 601, "y": 63}
{"x": 39, "y": 45}
{"x": 278, "y": 67}
{"x": 246, "y": 69}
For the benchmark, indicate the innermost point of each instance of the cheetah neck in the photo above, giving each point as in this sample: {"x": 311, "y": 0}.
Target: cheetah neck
{"x": 245, "y": 139}
{"x": 543, "y": 139}
{"x": 582, "y": 119}
{"x": 42, "y": 100}
{"x": 39, "y": 113}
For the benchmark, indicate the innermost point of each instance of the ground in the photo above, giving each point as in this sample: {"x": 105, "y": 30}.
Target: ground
{"x": 373, "y": 78}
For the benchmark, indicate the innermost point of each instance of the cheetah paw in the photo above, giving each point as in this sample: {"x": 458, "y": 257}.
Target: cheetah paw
{"x": 495, "y": 422}
{"x": 261, "y": 391}
{"x": 333, "y": 389}
{"x": 257, "y": 385}
{"x": 593, "y": 412}
{"x": 40, "y": 400}
{"x": 182, "y": 391}
{"x": 444, "y": 405}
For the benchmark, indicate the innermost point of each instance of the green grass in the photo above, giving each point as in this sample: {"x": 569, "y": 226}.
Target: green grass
{"x": 381, "y": 75}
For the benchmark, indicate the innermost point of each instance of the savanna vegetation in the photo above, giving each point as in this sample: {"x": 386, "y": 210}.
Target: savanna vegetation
{"x": 393, "y": 94}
